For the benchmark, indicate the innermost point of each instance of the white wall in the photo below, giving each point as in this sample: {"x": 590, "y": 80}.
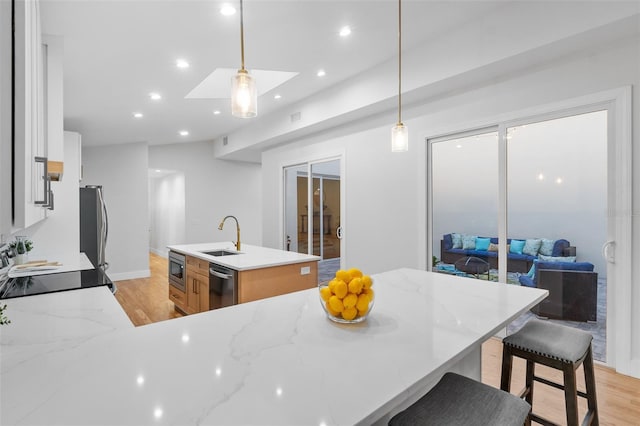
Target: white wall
{"x": 380, "y": 198}
{"x": 122, "y": 172}
{"x": 213, "y": 189}
{"x": 58, "y": 236}
{"x": 167, "y": 213}
{"x": 385, "y": 223}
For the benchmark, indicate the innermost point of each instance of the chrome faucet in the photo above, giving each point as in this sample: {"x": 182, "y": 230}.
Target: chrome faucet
{"x": 237, "y": 243}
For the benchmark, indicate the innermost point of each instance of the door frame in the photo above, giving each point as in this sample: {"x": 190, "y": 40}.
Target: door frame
{"x": 309, "y": 162}
{"x": 617, "y": 103}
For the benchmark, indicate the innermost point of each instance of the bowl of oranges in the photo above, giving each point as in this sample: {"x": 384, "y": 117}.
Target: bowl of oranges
{"x": 348, "y": 297}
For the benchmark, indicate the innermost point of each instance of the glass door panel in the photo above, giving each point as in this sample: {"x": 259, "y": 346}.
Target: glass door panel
{"x": 557, "y": 207}
{"x": 296, "y": 218}
{"x": 326, "y": 208}
{"x": 464, "y": 176}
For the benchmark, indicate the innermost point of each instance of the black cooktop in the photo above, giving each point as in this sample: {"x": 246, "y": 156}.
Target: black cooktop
{"x": 51, "y": 283}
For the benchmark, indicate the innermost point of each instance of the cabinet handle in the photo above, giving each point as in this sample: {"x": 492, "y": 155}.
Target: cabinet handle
{"x": 45, "y": 193}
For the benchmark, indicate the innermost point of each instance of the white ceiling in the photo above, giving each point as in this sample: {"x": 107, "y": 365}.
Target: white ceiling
{"x": 117, "y": 52}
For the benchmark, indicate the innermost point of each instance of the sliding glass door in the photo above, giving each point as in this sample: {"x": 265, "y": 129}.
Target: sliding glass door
{"x": 557, "y": 205}
{"x": 312, "y": 212}
{"x": 464, "y": 199}
{"x": 526, "y": 204}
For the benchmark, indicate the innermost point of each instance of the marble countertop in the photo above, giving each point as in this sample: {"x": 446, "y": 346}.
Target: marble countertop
{"x": 70, "y": 262}
{"x": 276, "y": 361}
{"x": 249, "y": 257}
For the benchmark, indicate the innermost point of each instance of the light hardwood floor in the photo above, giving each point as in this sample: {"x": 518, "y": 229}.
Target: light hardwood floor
{"x": 146, "y": 301}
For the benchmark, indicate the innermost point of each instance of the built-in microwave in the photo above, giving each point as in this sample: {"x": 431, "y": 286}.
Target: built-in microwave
{"x": 176, "y": 270}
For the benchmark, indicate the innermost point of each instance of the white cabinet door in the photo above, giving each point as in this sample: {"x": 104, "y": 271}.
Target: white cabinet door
{"x": 30, "y": 135}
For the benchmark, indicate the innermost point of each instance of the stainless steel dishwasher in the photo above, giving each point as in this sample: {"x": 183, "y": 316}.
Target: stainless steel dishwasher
{"x": 222, "y": 286}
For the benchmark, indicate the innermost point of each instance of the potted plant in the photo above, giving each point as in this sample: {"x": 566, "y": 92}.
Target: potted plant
{"x": 21, "y": 247}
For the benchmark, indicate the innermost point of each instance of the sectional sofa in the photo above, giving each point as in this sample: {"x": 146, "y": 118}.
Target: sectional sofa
{"x": 520, "y": 254}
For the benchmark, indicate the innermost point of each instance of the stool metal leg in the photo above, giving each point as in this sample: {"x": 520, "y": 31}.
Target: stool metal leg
{"x": 590, "y": 382}
{"x": 570, "y": 394}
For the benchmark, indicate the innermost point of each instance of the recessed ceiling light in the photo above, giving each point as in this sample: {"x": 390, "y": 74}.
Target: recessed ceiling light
{"x": 227, "y": 10}
{"x": 155, "y": 96}
{"x": 345, "y": 31}
{"x": 138, "y": 115}
{"x": 321, "y": 73}
{"x": 184, "y": 133}
{"x": 181, "y": 63}
{"x": 277, "y": 97}
{"x": 216, "y": 112}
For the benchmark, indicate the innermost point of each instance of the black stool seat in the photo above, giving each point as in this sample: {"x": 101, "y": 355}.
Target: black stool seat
{"x": 460, "y": 401}
{"x": 556, "y": 346}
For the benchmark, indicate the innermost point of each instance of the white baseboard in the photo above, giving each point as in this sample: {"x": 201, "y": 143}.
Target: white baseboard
{"x": 145, "y": 273}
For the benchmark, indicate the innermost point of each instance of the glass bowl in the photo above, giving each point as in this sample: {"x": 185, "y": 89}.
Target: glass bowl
{"x": 365, "y": 299}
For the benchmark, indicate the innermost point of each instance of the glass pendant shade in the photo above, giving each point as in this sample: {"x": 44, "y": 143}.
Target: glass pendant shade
{"x": 244, "y": 96}
{"x": 399, "y": 138}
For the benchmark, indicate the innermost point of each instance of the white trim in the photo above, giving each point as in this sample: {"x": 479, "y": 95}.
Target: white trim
{"x": 619, "y": 275}
{"x": 131, "y": 275}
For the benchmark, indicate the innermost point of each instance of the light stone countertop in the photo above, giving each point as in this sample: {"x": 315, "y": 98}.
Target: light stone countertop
{"x": 70, "y": 262}
{"x": 276, "y": 361}
{"x": 249, "y": 257}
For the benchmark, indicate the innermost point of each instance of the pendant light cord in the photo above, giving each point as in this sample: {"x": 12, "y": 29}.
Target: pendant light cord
{"x": 242, "y": 35}
{"x": 399, "y": 61}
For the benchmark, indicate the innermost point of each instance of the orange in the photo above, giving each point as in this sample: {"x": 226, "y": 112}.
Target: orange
{"x": 350, "y": 300}
{"x": 343, "y": 275}
{"x": 340, "y": 289}
{"x": 355, "y": 273}
{"x": 349, "y": 313}
{"x": 325, "y": 293}
{"x": 331, "y": 311}
{"x": 336, "y": 304}
{"x": 367, "y": 282}
{"x": 355, "y": 286}
{"x": 363, "y": 303}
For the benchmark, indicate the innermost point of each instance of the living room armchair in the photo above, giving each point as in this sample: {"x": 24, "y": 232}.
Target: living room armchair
{"x": 573, "y": 290}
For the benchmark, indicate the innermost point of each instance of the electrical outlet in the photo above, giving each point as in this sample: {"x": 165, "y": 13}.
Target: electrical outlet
{"x": 305, "y": 270}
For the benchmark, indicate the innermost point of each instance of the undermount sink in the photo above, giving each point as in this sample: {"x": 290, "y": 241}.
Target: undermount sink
{"x": 217, "y": 253}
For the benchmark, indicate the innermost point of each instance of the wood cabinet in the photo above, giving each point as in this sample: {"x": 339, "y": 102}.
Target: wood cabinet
{"x": 197, "y": 285}
{"x": 179, "y": 298}
{"x": 258, "y": 284}
{"x": 251, "y": 285}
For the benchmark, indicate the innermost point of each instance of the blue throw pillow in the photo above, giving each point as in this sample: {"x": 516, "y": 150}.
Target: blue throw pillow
{"x": 531, "y": 247}
{"x": 546, "y": 247}
{"x": 482, "y": 243}
{"x": 456, "y": 239}
{"x": 516, "y": 246}
{"x": 469, "y": 242}
{"x": 532, "y": 272}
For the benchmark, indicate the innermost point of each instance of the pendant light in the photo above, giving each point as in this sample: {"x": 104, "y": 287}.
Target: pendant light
{"x": 399, "y": 132}
{"x": 244, "y": 97}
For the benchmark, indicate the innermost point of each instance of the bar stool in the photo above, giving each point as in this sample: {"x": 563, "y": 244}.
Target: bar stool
{"x": 460, "y": 401}
{"x": 556, "y": 346}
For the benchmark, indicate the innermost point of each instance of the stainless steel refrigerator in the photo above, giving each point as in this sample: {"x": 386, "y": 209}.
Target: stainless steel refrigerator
{"x": 94, "y": 225}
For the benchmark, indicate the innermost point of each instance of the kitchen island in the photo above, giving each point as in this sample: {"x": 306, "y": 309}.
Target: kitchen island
{"x": 274, "y": 361}
{"x": 258, "y": 273}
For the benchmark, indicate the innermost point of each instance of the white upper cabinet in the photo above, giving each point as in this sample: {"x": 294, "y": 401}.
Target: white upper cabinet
{"x": 38, "y": 113}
